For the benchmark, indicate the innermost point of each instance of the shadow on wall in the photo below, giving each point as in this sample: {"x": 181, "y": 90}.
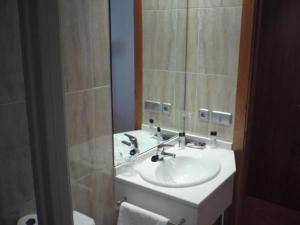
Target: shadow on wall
{"x": 16, "y": 183}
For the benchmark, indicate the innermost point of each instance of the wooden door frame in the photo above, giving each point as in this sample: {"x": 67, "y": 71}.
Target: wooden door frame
{"x": 244, "y": 83}
{"x": 138, "y": 62}
{"x": 39, "y": 28}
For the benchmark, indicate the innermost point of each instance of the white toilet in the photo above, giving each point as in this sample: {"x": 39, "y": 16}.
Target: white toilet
{"x": 79, "y": 219}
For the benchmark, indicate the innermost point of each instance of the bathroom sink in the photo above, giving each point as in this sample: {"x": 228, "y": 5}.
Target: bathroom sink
{"x": 189, "y": 168}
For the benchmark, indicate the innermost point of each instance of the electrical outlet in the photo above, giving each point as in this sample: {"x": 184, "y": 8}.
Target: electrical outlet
{"x": 152, "y": 106}
{"x": 204, "y": 114}
{"x": 167, "y": 108}
{"x": 222, "y": 118}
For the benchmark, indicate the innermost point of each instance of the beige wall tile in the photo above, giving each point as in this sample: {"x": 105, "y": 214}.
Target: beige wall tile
{"x": 89, "y": 130}
{"x": 165, "y": 86}
{"x": 88, "y": 109}
{"x": 88, "y": 115}
{"x": 204, "y": 3}
{"x": 159, "y": 39}
{"x": 164, "y": 4}
{"x": 173, "y": 4}
{"x": 103, "y": 116}
{"x": 232, "y": 2}
{"x": 84, "y": 43}
{"x": 164, "y": 39}
{"x": 218, "y": 42}
{"x": 181, "y": 38}
{"x": 150, "y": 4}
{"x": 80, "y": 117}
{"x": 214, "y": 93}
{"x": 192, "y": 40}
{"x": 94, "y": 201}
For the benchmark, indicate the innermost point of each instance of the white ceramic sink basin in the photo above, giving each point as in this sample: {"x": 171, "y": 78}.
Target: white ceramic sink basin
{"x": 189, "y": 168}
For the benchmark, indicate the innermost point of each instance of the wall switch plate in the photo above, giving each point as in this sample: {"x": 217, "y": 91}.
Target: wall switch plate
{"x": 204, "y": 114}
{"x": 166, "y": 108}
{"x": 152, "y": 106}
{"x": 222, "y": 118}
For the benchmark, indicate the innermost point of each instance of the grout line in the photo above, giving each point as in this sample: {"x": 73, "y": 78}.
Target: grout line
{"x": 86, "y": 90}
{"x": 187, "y": 73}
{"x": 211, "y": 74}
{"x": 12, "y": 103}
{"x": 170, "y": 71}
{"x": 208, "y": 7}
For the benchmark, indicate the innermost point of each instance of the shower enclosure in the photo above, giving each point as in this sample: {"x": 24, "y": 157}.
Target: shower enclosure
{"x": 55, "y": 111}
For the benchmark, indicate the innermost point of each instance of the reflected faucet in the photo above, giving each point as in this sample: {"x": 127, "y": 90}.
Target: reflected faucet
{"x": 133, "y": 140}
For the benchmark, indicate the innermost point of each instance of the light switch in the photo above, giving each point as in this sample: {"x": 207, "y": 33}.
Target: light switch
{"x": 222, "y": 118}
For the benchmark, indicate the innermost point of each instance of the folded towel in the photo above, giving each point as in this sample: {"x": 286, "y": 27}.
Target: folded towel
{"x": 133, "y": 215}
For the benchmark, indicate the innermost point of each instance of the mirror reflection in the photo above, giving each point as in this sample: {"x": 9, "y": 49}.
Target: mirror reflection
{"x": 148, "y": 74}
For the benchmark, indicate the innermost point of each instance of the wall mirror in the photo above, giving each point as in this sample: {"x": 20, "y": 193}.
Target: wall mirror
{"x": 174, "y": 62}
{"x": 148, "y": 73}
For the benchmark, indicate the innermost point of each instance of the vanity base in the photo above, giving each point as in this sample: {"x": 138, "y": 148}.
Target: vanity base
{"x": 206, "y": 213}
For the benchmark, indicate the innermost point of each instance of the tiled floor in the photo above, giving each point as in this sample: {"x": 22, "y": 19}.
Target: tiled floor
{"x": 259, "y": 212}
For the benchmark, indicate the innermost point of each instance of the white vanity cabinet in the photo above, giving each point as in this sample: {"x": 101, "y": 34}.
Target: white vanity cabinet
{"x": 199, "y": 205}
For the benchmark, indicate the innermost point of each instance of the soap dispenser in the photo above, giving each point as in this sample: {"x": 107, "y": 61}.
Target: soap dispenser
{"x": 213, "y": 139}
{"x": 151, "y": 127}
{"x": 181, "y": 140}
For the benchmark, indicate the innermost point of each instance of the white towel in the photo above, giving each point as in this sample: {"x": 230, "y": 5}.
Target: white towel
{"x": 133, "y": 215}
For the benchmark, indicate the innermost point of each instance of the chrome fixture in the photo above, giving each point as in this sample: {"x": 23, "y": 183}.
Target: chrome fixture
{"x": 133, "y": 140}
{"x": 161, "y": 153}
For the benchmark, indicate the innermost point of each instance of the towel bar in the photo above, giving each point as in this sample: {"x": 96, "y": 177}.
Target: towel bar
{"x": 181, "y": 222}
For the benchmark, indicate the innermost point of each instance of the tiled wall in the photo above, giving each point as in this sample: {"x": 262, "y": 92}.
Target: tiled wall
{"x": 164, "y": 51}
{"x": 16, "y": 183}
{"x": 212, "y": 61}
{"x": 86, "y": 69}
{"x": 209, "y": 61}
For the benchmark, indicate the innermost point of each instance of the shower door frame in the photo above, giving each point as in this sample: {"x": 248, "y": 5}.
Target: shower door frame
{"x": 39, "y": 25}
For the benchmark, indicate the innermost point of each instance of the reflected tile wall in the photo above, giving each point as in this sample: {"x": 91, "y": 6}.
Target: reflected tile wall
{"x": 164, "y": 58}
{"x": 214, "y": 40}
{"x": 212, "y": 61}
{"x": 16, "y": 182}
{"x": 86, "y": 67}
{"x": 215, "y": 92}
{"x": 165, "y": 86}
{"x": 164, "y": 4}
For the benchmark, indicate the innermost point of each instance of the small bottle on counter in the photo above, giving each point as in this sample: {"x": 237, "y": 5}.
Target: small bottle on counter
{"x": 151, "y": 127}
{"x": 159, "y": 135}
{"x": 213, "y": 139}
{"x": 181, "y": 140}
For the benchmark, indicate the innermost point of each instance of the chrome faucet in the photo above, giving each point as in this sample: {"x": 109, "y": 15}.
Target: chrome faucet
{"x": 133, "y": 140}
{"x": 160, "y": 156}
{"x": 164, "y": 153}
